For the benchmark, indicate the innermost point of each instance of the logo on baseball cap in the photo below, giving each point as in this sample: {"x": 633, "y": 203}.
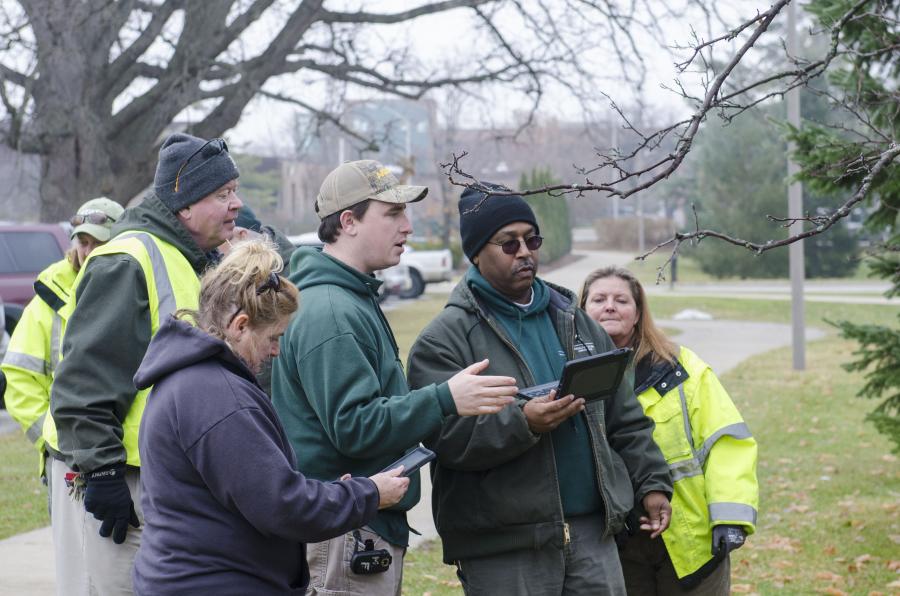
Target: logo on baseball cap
{"x": 355, "y": 181}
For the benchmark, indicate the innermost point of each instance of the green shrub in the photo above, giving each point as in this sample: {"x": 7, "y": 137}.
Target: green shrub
{"x": 552, "y": 215}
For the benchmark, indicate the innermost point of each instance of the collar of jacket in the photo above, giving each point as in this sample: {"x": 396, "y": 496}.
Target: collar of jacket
{"x": 54, "y": 284}
{"x": 154, "y": 217}
{"x": 463, "y": 297}
{"x": 664, "y": 377}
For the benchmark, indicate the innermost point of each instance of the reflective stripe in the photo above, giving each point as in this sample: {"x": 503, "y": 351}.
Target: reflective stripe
{"x": 739, "y": 431}
{"x": 687, "y": 420}
{"x": 54, "y": 341}
{"x": 35, "y": 430}
{"x": 27, "y": 362}
{"x": 164, "y": 293}
{"x": 732, "y": 512}
{"x": 685, "y": 469}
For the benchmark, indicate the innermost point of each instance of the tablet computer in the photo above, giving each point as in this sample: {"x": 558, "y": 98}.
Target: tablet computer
{"x": 412, "y": 460}
{"x": 591, "y": 377}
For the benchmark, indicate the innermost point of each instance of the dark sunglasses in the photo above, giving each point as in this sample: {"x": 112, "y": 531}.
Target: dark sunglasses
{"x": 95, "y": 217}
{"x": 273, "y": 282}
{"x": 511, "y": 247}
{"x": 209, "y": 149}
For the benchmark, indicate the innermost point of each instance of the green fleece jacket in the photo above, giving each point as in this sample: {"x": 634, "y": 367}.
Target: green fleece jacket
{"x": 338, "y": 384}
{"x": 495, "y": 483}
{"x": 105, "y": 340}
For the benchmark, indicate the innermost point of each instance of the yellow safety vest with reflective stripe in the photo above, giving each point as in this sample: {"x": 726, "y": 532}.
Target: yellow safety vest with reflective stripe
{"x": 172, "y": 284}
{"x": 711, "y": 455}
{"x": 33, "y": 353}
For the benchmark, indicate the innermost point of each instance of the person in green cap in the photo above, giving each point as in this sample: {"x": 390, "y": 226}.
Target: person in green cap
{"x": 31, "y": 360}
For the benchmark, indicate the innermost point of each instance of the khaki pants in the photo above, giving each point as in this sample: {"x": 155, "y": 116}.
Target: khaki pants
{"x": 87, "y": 563}
{"x": 329, "y": 567}
{"x": 649, "y": 571}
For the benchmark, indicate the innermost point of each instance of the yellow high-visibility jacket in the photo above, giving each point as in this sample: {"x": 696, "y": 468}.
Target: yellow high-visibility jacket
{"x": 711, "y": 455}
{"x": 34, "y": 352}
{"x": 172, "y": 284}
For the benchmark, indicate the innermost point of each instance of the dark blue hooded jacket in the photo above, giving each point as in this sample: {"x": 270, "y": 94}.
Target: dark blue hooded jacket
{"x": 225, "y": 511}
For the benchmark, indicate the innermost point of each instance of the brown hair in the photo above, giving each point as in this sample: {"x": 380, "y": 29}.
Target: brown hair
{"x": 330, "y": 228}
{"x": 243, "y": 282}
{"x": 647, "y": 338}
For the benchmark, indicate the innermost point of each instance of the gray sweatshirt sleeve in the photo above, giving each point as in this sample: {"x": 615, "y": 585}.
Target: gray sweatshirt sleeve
{"x": 105, "y": 340}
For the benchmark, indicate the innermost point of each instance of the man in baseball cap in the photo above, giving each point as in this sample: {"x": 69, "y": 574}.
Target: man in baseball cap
{"x": 338, "y": 385}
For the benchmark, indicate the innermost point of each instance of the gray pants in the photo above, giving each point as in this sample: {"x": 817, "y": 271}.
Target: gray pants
{"x": 87, "y": 563}
{"x": 649, "y": 571}
{"x": 329, "y": 567}
{"x": 588, "y": 564}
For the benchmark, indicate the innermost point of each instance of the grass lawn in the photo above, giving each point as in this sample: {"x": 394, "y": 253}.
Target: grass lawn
{"x": 23, "y": 499}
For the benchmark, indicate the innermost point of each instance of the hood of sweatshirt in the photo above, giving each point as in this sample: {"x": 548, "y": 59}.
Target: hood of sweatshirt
{"x": 310, "y": 266}
{"x": 154, "y": 217}
{"x": 178, "y": 345}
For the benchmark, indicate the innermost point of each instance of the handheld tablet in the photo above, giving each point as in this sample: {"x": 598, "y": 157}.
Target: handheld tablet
{"x": 412, "y": 461}
{"x": 591, "y": 377}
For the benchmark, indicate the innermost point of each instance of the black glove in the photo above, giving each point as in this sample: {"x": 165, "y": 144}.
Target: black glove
{"x": 108, "y": 498}
{"x": 727, "y": 538}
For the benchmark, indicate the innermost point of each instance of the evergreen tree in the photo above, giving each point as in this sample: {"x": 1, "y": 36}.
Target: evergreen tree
{"x": 865, "y": 83}
{"x": 552, "y": 214}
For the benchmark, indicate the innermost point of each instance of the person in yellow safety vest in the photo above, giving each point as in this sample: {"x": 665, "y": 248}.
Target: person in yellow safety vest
{"x": 31, "y": 361}
{"x": 711, "y": 453}
{"x": 125, "y": 291}
{"x": 34, "y": 347}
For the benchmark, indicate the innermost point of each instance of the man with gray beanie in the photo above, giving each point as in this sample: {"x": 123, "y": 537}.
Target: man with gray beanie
{"x": 124, "y": 292}
{"x": 530, "y": 499}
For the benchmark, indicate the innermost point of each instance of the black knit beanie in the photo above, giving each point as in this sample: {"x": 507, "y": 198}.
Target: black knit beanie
{"x": 477, "y": 225}
{"x": 199, "y": 166}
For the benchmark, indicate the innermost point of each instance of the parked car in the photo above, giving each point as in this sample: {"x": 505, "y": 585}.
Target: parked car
{"x": 425, "y": 267}
{"x": 25, "y": 251}
{"x": 396, "y": 280}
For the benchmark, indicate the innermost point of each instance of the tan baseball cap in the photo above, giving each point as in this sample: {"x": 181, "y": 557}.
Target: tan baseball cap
{"x": 355, "y": 181}
{"x": 96, "y": 218}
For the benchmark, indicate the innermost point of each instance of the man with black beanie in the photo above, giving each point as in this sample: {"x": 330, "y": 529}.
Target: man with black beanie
{"x": 531, "y": 498}
{"x": 124, "y": 292}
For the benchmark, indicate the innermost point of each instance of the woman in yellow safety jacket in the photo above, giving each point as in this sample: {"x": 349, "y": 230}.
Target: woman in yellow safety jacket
{"x": 709, "y": 449}
{"x": 34, "y": 348}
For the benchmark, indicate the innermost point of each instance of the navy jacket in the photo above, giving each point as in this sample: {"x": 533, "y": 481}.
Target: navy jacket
{"x": 225, "y": 511}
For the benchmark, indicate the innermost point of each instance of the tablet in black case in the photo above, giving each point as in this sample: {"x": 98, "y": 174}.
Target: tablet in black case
{"x": 591, "y": 377}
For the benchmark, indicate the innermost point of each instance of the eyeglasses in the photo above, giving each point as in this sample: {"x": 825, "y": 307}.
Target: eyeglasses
{"x": 511, "y": 247}
{"x": 273, "y": 282}
{"x": 95, "y": 217}
{"x": 209, "y": 149}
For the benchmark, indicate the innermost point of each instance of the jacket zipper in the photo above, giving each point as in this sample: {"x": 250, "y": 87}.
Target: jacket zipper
{"x": 562, "y": 515}
{"x": 568, "y": 320}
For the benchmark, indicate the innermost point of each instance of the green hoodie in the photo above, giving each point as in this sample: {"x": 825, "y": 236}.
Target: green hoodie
{"x": 531, "y": 331}
{"x": 105, "y": 340}
{"x": 338, "y": 384}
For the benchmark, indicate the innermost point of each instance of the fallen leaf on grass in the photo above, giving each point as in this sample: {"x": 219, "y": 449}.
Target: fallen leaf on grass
{"x": 894, "y": 584}
{"x": 797, "y": 508}
{"x": 889, "y": 457}
{"x": 829, "y": 550}
{"x": 833, "y": 592}
{"x": 895, "y": 538}
{"x": 859, "y": 562}
{"x": 829, "y": 576}
{"x": 741, "y": 588}
{"x": 893, "y": 565}
{"x": 786, "y": 564}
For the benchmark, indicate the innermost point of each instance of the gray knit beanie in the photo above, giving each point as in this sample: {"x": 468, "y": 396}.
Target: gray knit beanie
{"x": 190, "y": 168}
